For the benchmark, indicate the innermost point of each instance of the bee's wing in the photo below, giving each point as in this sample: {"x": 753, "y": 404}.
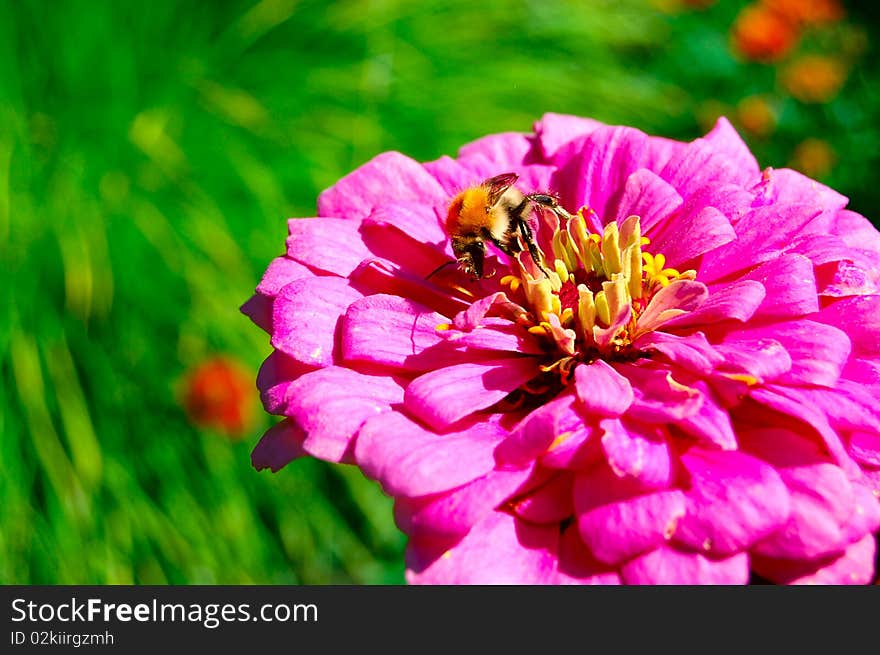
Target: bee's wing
{"x": 498, "y": 185}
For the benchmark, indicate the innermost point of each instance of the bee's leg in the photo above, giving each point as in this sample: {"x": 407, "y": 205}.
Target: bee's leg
{"x": 550, "y": 203}
{"x": 529, "y": 238}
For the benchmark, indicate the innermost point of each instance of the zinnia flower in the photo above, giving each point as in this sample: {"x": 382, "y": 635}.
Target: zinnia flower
{"x": 217, "y": 395}
{"x": 814, "y": 78}
{"x": 761, "y": 34}
{"x": 756, "y": 115}
{"x": 687, "y": 395}
{"x": 813, "y": 156}
{"x": 808, "y": 12}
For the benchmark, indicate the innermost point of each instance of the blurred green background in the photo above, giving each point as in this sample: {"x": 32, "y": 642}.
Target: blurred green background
{"x": 150, "y": 154}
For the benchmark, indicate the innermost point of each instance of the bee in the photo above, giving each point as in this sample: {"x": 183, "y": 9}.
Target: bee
{"x": 497, "y": 212}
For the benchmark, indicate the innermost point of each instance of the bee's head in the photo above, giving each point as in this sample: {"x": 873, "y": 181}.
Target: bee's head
{"x": 470, "y": 252}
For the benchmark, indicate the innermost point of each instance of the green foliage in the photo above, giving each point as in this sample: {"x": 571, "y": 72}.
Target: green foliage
{"x": 149, "y": 154}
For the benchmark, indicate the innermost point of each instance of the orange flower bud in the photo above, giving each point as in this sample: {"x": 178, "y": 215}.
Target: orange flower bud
{"x": 762, "y": 35}
{"x": 814, "y": 78}
{"x": 217, "y": 395}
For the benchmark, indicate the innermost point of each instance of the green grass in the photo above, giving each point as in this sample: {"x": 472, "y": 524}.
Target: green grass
{"x": 149, "y": 156}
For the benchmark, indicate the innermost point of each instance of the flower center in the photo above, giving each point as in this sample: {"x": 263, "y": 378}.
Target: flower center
{"x": 588, "y": 304}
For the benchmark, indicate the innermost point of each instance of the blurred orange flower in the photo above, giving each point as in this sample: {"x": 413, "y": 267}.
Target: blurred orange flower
{"x": 756, "y": 115}
{"x": 807, "y": 12}
{"x": 814, "y": 78}
{"x": 813, "y": 157}
{"x": 218, "y": 395}
{"x": 761, "y": 34}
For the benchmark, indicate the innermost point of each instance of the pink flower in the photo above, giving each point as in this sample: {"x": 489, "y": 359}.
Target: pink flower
{"x": 687, "y": 395}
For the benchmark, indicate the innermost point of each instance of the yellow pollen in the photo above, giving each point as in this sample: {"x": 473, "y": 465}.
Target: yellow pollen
{"x": 512, "y": 281}
{"x": 443, "y": 326}
{"x": 748, "y": 380}
{"x": 558, "y": 441}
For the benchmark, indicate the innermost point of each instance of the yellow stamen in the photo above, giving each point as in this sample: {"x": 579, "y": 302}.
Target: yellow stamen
{"x": 611, "y": 249}
{"x": 562, "y": 269}
{"x": 586, "y": 310}
{"x": 603, "y": 311}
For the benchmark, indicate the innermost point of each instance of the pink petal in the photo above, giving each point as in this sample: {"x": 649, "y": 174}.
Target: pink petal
{"x": 331, "y": 404}
{"x": 856, "y": 230}
{"x": 661, "y": 150}
{"x": 276, "y": 374}
{"x": 491, "y": 305}
{"x": 499, "y": 550}
{"x": 688, "y": 236}
{"x": 733, "y": 501}
{"x": 818, "y": 351}
{"x": 765, "y": 359}
{"x": 380, "y": 276}
{"x": 605, "y": 160}
{"x": 854, "y": 566}
{"x": 416, "y": 219}
{"x": 700, "y": 164}
{"x": 806, "y": 419}
{"x": 851, "y": 406}
{"x": 280, "y": 445}
{"x": 860, "y": 318}
{"x": 574, "y": 450}
{"x": 762, "y": 234}
{"x": 790, "y": 286}
{"x": 550, "y": 503}
{"x": 389, "y": 330}
{"x": 649, "y": 197}
{"x": 495, "y": 334}
{"x": 281, "y": 272}
{"x": 390, "y": 175}
{"x": 409, "y": 460}
{"x": 638, "y": 451}
{"x": 306, "y": 315}
{"x": 577, "y": 564}
{"x": 389, "y": 242}
{"x": 865, "y": 518}
{"x": 734, "y": 302}
{"x": 855, "y": 276}
{"x": 616, "y": 521}
{"x": 711, "y": 422}
{"x": 442, "y": 397}
{"x": 454, "y": 513}
{"x": 451, "y": 175}
{"x": 670, "y": 302}
{"x": 730, "y": 199}
{"x": 536, "y": 432}
{"x": 555, "y": 130}
{"x": 332, "y": 245}
{"x": 822, "y": 501}
{"x": 502, "y": 152}
{"x": 865, "y": 448}
{"x": 823, "y": 248}
{"x": 792, "y": 187}
{"x": 258, "y": 308}
{"x": 725, "y": 140}
{"x": 658, "y": 398}
{"x": 601, "y": 389}
{"x": 691, "y": 352}
{"x": 670, "y": 566}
